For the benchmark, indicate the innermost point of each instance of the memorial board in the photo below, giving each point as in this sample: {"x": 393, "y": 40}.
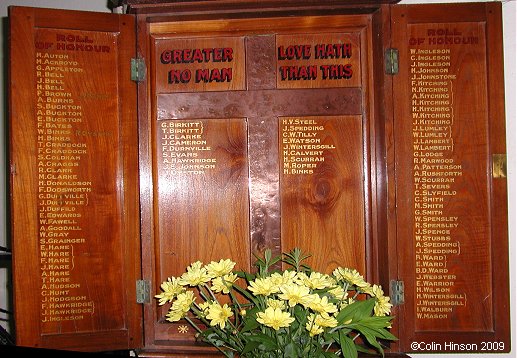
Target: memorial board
{"x": 273, "y": 162}
{"x": 449, "y": 119}
{"x": 74, "y": 183}
{"x": 321, "y": 187}
{"x": 257, "y": 127}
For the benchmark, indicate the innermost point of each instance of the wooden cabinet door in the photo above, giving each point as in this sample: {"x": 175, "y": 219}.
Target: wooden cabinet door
{"x": 451, "y": 194}
{"x": 74, "y": 180}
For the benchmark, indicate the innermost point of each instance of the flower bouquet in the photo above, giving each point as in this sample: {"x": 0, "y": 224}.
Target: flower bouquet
{"x": 296, "y": 312}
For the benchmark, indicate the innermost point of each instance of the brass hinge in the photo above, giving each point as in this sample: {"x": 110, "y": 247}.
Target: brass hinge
{"x": 397, "y": 292}
{"x": 498, "y": 165}
{"x": 391, "y": 61}
{"x": 138, "y": 69}
{"x": 143, "y": 292}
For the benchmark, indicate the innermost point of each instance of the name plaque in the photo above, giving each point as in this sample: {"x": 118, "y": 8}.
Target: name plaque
{"x": 74, "y": 181}
{"x": 321, "y": 188}
{"x": 450, "y": 199}
{"x": 74, "y": 131}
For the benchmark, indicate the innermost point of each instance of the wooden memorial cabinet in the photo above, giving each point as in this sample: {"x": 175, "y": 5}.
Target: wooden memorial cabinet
{"x": 369, "y": 134}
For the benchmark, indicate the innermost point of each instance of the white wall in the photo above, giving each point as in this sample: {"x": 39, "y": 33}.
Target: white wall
{"x": 510, "y": 42}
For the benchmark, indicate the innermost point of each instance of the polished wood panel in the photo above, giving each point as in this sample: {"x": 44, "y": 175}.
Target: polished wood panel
{"x": 447, "y": 201}
{"x": 74, "y": 191}
{"x": 321, "y": 190}
{"x": 253, "y": 209}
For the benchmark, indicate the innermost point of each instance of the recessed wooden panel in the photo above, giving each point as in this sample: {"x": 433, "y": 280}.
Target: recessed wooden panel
{"x": 202, "y": 192}
{"x": 321, "y": 190}
{"x": 202, "y": 207}
{"x": 447, "y": 199}
{"x": 318, "y": 60}
{"x": 451, "y": 216}
{"x": 193, "y": 65}
{"x": 74, "y": 194}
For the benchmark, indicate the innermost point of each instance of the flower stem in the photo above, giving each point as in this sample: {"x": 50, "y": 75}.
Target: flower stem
{"x": 193, "y": 324}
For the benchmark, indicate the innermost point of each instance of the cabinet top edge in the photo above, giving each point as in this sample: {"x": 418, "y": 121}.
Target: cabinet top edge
{"x": 246, "y": 6}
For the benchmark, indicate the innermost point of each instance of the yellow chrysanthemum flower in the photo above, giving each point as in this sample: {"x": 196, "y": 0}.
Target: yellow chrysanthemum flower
{"x": 276, "y": 279}
{"x": 174, "y": 315}
{"x": 366, "y": 288}
{"x": 325, "y": 320}
{"x": 377, "y": 291}
{"x": 224, "y": 283}
{"x": 196, "y": 275}
{"x": 338, "y": 292}
{"x": 316, "y": 323}
{"x": 294, "y": 293}
{"x": 184, "y": 301}
{"x": 171, "y": 288}
{"x": 289, "y": 276}
{"x": 263, "y": 286}
{"x": 382, "y": 303}
{"x": 275, "y": 318}
{"x": 322, "y": 305}
{"x": 180, "y": 306}
{"x": 310, "y": 299}
{"x": 316, "y": 280}
{"x": 301, "y": 278}
{"x": 276, "y": 303}
{"x": 204, "y": 306}
{"x": 219, "y": 314}
{"x": 313, "y": 329}
{"x": 221, "y": 268}
{"x": 350, "y": 275}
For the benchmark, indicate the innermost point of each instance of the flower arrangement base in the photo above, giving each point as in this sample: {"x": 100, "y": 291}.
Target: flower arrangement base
{"x": 272, "y": 313}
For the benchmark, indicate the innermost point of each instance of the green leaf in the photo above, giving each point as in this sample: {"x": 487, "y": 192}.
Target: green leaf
{"x": 250, "y": 323}
{"x": 385, "y": 334}
{"x": 376, "y": 332}
{"x": 347, "y": 346}
{"x": 371, "y": 340}
{"x": 375, "y": 326}
{"x": 250, "y": 346}
{"x": 295, "y": 258}
{"x": 245, "y": 275}
{"x": 377, "y": 321}
{"x": 291, "y": 350}
{"x": 266, "y": 341}
{"x": 356, "y": 311}
{"x": 300, "y": 314}
{"x": 364, "y": 349}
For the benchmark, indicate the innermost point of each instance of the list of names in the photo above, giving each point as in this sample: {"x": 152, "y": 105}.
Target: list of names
{"x": 435, "y": 175}
{"x": 302, "y": 146}
{"x": 184, "y": 147}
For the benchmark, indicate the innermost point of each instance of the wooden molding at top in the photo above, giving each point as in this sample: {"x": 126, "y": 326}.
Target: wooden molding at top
{"x": 249, "y": 7}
